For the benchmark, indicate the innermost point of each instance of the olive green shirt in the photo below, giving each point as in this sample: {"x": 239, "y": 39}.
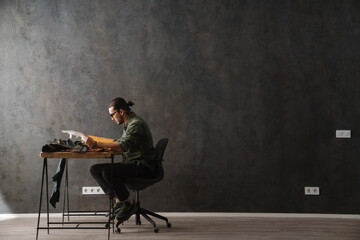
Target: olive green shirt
{"x": 137, "y": 143}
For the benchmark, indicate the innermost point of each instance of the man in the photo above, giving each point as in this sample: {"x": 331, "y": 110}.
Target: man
{"x": 135, "y": 144}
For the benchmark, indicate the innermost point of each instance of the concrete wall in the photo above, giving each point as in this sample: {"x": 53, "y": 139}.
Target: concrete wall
{"x": 250, "y": 94}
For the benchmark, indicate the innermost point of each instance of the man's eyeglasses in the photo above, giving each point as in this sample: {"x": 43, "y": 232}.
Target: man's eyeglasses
{"x": 112, "y": 115}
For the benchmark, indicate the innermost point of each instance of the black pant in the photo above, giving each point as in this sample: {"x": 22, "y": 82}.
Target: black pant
{"x": 102, "y": 174}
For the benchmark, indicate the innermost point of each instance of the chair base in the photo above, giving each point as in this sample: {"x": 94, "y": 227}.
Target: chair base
{"x": 145, "y": 213}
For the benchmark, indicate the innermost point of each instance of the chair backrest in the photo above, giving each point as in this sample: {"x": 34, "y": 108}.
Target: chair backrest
{"x": 160, "y": 148}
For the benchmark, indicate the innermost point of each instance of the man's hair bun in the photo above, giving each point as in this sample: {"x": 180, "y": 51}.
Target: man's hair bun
{"x": 120, "y": 103}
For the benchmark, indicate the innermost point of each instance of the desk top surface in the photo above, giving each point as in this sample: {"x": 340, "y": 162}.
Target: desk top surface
{"x": 76, "y": 155}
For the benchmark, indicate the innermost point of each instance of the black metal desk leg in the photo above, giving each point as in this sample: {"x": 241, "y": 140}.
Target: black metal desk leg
{"x": 63, "y": 213}
{"x": 66, "y": 193}
{"x": 67, "y": 190}
{"x": 41, "y": 191}
{"x": 47, "y": 195}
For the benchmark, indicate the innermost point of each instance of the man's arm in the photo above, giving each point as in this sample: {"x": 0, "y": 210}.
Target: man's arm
{"x": 113, "y": 146}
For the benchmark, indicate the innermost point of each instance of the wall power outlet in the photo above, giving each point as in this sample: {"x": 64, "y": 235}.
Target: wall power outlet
{"x": 312, "y": 191}
{"x": 343, "y": 134}
{"x": 92, "y": 190}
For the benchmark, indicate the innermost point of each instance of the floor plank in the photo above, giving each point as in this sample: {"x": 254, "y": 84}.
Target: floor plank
{"x": 196, "y": 227}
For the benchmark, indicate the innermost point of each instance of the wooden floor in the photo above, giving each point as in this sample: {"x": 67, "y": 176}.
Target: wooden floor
{"x": 197, "y": 227}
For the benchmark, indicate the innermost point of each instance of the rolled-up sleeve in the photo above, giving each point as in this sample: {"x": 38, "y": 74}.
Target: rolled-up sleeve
{"x": 131, "y": 137}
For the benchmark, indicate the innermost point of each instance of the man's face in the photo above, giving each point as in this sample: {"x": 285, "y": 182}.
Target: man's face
{"x": 117, "y": 115}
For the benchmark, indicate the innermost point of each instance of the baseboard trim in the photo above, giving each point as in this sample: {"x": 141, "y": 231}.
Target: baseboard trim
{"x": 262, "y": 215}
{"x": 209, "y": 214}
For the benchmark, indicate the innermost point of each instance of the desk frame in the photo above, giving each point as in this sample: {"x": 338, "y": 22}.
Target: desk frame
{"x": 67, "y": 155}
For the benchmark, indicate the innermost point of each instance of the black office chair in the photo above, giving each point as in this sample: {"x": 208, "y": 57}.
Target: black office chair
{"x": 137, "y": 184}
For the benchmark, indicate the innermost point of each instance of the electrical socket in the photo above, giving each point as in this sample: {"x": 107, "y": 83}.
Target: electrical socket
{"x": 343, "y": 133}
{"x": 92, "y": 190}
{"x": 312, "y": 191}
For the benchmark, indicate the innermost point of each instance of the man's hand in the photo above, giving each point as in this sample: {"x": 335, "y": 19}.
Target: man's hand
{"x": 89, "y": 141}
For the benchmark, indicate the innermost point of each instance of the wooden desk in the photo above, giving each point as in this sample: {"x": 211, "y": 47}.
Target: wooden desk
{"x": 76, "y": 155}
{"x": 66, "y": 156}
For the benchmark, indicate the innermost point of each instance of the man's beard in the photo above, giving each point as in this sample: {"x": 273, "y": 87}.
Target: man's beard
{"x": 121, "y": 120}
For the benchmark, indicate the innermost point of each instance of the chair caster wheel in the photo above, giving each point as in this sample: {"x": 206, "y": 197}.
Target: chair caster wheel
{"x": 156, "y": 230}
{"x": 117, "y": 230}
{"x": 107, "y": 225}
{"x": 168, "y": 225}
{"x": 138, "y": 223}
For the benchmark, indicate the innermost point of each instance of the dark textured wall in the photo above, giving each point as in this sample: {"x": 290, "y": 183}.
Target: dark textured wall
{"x": 250, "y": 94}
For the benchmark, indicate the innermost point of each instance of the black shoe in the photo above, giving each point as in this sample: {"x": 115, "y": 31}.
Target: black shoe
{"x": 115, "y": 210}
{"x": 126, "y": 211}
